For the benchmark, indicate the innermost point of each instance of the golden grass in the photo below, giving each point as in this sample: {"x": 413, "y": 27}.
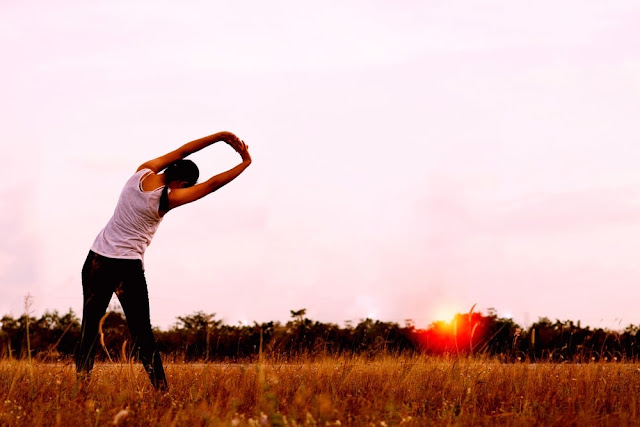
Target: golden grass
{"x": 332, "y": 391}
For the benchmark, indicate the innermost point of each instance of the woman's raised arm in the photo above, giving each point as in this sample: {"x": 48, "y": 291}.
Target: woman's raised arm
{"x": 181, "y": 196}
{"x": 162, "y": 162}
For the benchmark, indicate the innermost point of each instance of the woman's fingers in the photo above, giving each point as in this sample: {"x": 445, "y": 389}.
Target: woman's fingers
{"x": 237, "y": 144}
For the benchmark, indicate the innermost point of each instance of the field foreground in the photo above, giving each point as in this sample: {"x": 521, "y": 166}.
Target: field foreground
{"x": 332, "y": 391}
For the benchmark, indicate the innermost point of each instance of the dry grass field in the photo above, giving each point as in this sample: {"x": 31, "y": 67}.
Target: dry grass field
{"x": 332, "y": 391}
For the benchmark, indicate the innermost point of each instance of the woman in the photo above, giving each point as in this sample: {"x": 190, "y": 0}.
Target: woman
{"x": 115, "y": 261}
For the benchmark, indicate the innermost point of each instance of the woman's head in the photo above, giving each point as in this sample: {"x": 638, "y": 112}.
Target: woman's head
{"x": 183, "y": 173}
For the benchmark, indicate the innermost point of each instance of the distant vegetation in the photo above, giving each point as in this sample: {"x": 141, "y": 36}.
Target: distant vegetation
{"x": 201, "y": 337}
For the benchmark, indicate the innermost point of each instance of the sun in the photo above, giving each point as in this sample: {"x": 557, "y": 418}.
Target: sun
{"x": 445, "y": 313}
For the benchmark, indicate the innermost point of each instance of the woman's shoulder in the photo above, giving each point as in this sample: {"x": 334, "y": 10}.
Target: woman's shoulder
{"x": 149, "y": 180}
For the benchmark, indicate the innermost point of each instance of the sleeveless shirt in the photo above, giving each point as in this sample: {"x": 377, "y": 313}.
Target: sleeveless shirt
{"x": 134, "y": 221}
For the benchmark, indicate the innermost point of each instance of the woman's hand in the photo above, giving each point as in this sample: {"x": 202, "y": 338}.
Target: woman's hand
{"x": 233, "y": 141}
{"x": 240, "y": 147}
{"x": 244, "y": 153}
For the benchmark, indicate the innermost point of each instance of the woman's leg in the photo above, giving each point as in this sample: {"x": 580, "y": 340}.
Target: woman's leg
{"x": 134, "y": 298}
{"x": 99, "y": 280}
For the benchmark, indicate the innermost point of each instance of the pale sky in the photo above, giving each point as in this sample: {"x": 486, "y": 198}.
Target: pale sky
{"x": 410, "y": 159}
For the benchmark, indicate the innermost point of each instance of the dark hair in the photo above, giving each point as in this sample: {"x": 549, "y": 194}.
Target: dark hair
{"x": 182, "y": 170}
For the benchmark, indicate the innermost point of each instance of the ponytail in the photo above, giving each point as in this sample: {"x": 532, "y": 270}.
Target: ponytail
{"x": 164, "y": 199}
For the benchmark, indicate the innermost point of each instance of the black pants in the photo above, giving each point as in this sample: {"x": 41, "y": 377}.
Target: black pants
{"x": 101, "y": 277}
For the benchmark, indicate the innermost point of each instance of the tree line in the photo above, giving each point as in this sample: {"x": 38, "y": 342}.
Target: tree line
{"x": 201, "y": 337}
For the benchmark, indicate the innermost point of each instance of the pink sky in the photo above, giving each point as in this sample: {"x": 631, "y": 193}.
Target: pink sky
{"x": 410, "y": 160}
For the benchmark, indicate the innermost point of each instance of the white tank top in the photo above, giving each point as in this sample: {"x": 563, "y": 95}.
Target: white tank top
{"x": 134, "y": 222}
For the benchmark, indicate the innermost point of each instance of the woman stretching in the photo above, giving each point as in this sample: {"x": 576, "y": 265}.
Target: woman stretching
{"x": 115, "y": 261}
